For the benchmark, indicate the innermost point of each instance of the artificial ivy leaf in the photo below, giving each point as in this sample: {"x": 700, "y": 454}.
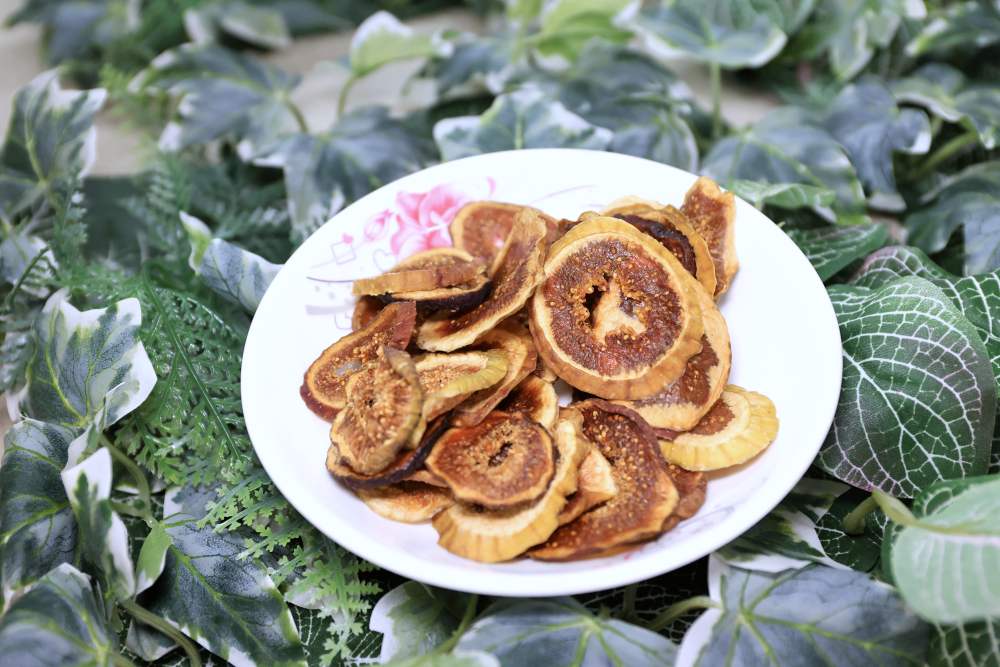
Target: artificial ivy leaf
{"x": 731, "y": 35}
{"x": 960, "y": 26}
{"x": 37, "y": 528}
{"x": 789, "y": 15}
{"x": 947, "y": 94}
{"x": 227, "y": 604}
{"x": 946, "y": 565}
{"x": 59, "y": 622}
{"x": 103, "y": 540}
{"x": 918, "y": 397}
{"x": 49, "y": 144}
{"x": 969, "y": 199}
{"x": 477, "y": 64}
{"x": 253, "y": 24}
{"x": 414, "y": 618}
{"x": 222, "y": 94}
{"x": 785, "y": 147}
{"x": 152, "y": 557}
{"x": 830, "y": 249}
{"x": 147, "y": 643}
{"x": 566, "y": 26}
{"x": 523, "y": 119}
{"x": 382, "y": 39}
{"x": 540, "y": 632}
{"x": 778, "y": 619}
{"x": 22, "y": 253}
{"x": 858, "y": 552}
{"x": 978, "y": 297}
{"x": 783, "y": 195}
{"x": 864, "y": 118}
{"x": 366, "y": 149}
{"x": 973, "y": 644}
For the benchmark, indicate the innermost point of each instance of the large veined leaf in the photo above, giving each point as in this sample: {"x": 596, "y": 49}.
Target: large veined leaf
{"x": 918, "y": 397}
{"x": 789, "y": 15}
{"x": 382, "y": 39}
{"x": 864, "y": 118}
{"x": 49, "y": 144}
{"x": 37, "y": 528}
{"x": 414, "y": 619}
{"x": 453, "y": 659}
{"x": 783, "y": 195}
{"x": 729, "y": 34}
{"x": 523, "y": 119}
{"x": 253, "y": 24}
{"x": 477, "y": 64}
{"x": 366, "y": 149}
{"x": 978, "y": 297}
{"x": 946, "y": 93}
{"x": 566, "y": 26}
{"x": 973, "y": 645}
{"x": 858, "y": 552}
{"x": 811, "y": 616}
{"x": 58, "y": 623}
{"x": 227, "y": 604}
{"x": 971, "y": 200}
{"x": 547, "y": 631}
{"x": 960, "y": 26}
{"x": 830, "y": 249}
{"x": 223, "y": 95}
{"x": 785, "y": 147}
{"x": 102, "y": 538}
{"x": 946, "y": 560}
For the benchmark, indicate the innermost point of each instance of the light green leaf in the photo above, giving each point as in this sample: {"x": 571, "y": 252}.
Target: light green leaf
{"x": 37, "y": 528}
{"x": 453, "y": 659}
{"x": 789, "y": 15}
{"x": 969, "y": 645}
{"x": 732, "y": 35}
{"x": 382, "y": 39}
{"x": 147, "y": 643}
{"x": 199, "y": 236}
{"x": 152, "y": 557}
{"x": 865, "y": 120}
{"x": 227, "y": 604}
{"x": 103, "y": 540}
{"x": 969, "y": 199}
{"x": 522, "y": 119}
{"x": 49, "y": 144}
{"x": 830, "y": 249}
{"x": 946, "y": 93}
{"x": 414, "y": 619}
{"x": 567, "y": 26}
{"x": 366, "y": 149}
{"x": 222, "y": 94}
{"x": 58, "y": 623}
{"x": 918, "y": 397}
{"x": 946, "y": 564}
{"x": 978, "y": 297}
{"x": 783, "y": 195}
{"x": 547, "y": 631}
{"x": 786, "y": 147}
{"x": 961, "y": 26}
{"x": 523, "y": 11}
{"x": 253, "y": 24}
{"x": 816, "y": 615}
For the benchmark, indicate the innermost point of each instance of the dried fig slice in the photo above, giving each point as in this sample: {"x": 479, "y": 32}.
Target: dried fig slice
{"x": 515, "y": 342}
{"x": 472, "y": 532}
{"x": 365, "y": 310}
{"x": 684, "y": 401}
{"x": 595, "y": 484}
{"x": 406, "y": 463}
{"x": 457, "y": 299}
{"x": 482, "y": 228}
{"x": 646, "y": 494}
{"x": 535, "y": 398}
{"x": 712, "y": 213}
{"x": 406, "y": 501}
{"x": 413, "y": 280}
{"x": 425, "y": 476}
{"x": 615, "y": 314}
{"x": 513, "y": 282}
{"x": 544, "y": 372}
{"x": 383, "y": 407}
{"x": 324, "y": 380}
{"x": 691, "y": 487}
{"x": 739, "y": 426}
{"x": 506, "y": 460}
{"x": 448, "y": 379}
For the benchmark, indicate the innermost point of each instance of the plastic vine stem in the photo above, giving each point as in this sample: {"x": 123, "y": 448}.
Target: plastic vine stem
{"x": 678, "y": 609}
{"x": 715, "y": 79}
{"x": 342, "y": 97}
{"x": 947, "y": 151}
{"x": 470, "y": 612}
{"x": 854, "y": 523}
{"x": 155, "y": 621}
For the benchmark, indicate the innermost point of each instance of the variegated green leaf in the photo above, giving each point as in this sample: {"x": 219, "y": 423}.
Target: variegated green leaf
{"x": 253, "y": 24}
{"x": 477, "y": 64}
{"x": 382, "y": 39}
{"x": 858, "y": 552}
{"x": 58, "y": 623}
{"x": 522, "y": 119}
{"x": 970, "y": 645}
{"x": 830, "y": 249}
{"x": 961, "y": 26}
{"x": 918, "y": 396}
{"x": 26, "y": 259}
{"x": 199, "y": 236}
{"x": 414, "y": 619}
{"x": 946, "y": 560}
{"x": 49, "y": 144}
{"x": 789, "y": 15}
{"x": 152, "y": 557}
{"x": 783, "y": 195}
{"x": 456, "y": 658}
{"x": 147, "y": 643}
{"x": 566, "y": 26}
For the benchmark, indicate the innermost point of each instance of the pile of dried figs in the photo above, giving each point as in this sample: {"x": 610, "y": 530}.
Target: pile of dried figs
{"x": 443, "y": 400}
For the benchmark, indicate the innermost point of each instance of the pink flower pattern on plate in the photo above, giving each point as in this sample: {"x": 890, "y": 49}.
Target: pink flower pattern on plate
{"x": 423, "y": 219}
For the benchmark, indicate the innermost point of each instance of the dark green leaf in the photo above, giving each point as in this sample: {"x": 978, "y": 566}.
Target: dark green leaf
{"x": 830, "y": 249}
{"x": 969, "y": 645}
{"x": 477, "y": 64}
{"x": 783, "y": 195}
{"x": 962, "y": 26}
{"x": 260, "y": 26}
{"x": 858, "y": 552}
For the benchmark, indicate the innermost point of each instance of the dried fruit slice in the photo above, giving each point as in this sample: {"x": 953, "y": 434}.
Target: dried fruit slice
{"x": 691, "y": 486}
{"x": 383, "y": 407}
{"x": 437, "y": 271}
{"x": 646, "y": 494}
{"x": 534, "y": 398}
{"x": 365, "y": 310}
{"x": 448, "y": 379}
{"x": 482, "y": 228}
{"x": 595, "y": 484}
{"x": 425, "y": 476}
{"x": 324, "y": 380}
{"x": 544, "y": 372}
{"x": 712, "y": 213}
{"x": 616, "y": 314}
{"x": 515, "y": 342}
{"x": 408, "y": 502}
{"x": 684, "y": 401}
{"x": 406, "y": 464}
{"x": 457, "y": 299}
{"x": 739, "y": 426}
{"x": 505, "y": 461}
{"x": 514, "y": 281}
{"x": 493, "y": 536}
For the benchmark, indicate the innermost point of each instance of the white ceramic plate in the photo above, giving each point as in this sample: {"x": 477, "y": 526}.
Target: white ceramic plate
{"x": 784, "y": 334}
